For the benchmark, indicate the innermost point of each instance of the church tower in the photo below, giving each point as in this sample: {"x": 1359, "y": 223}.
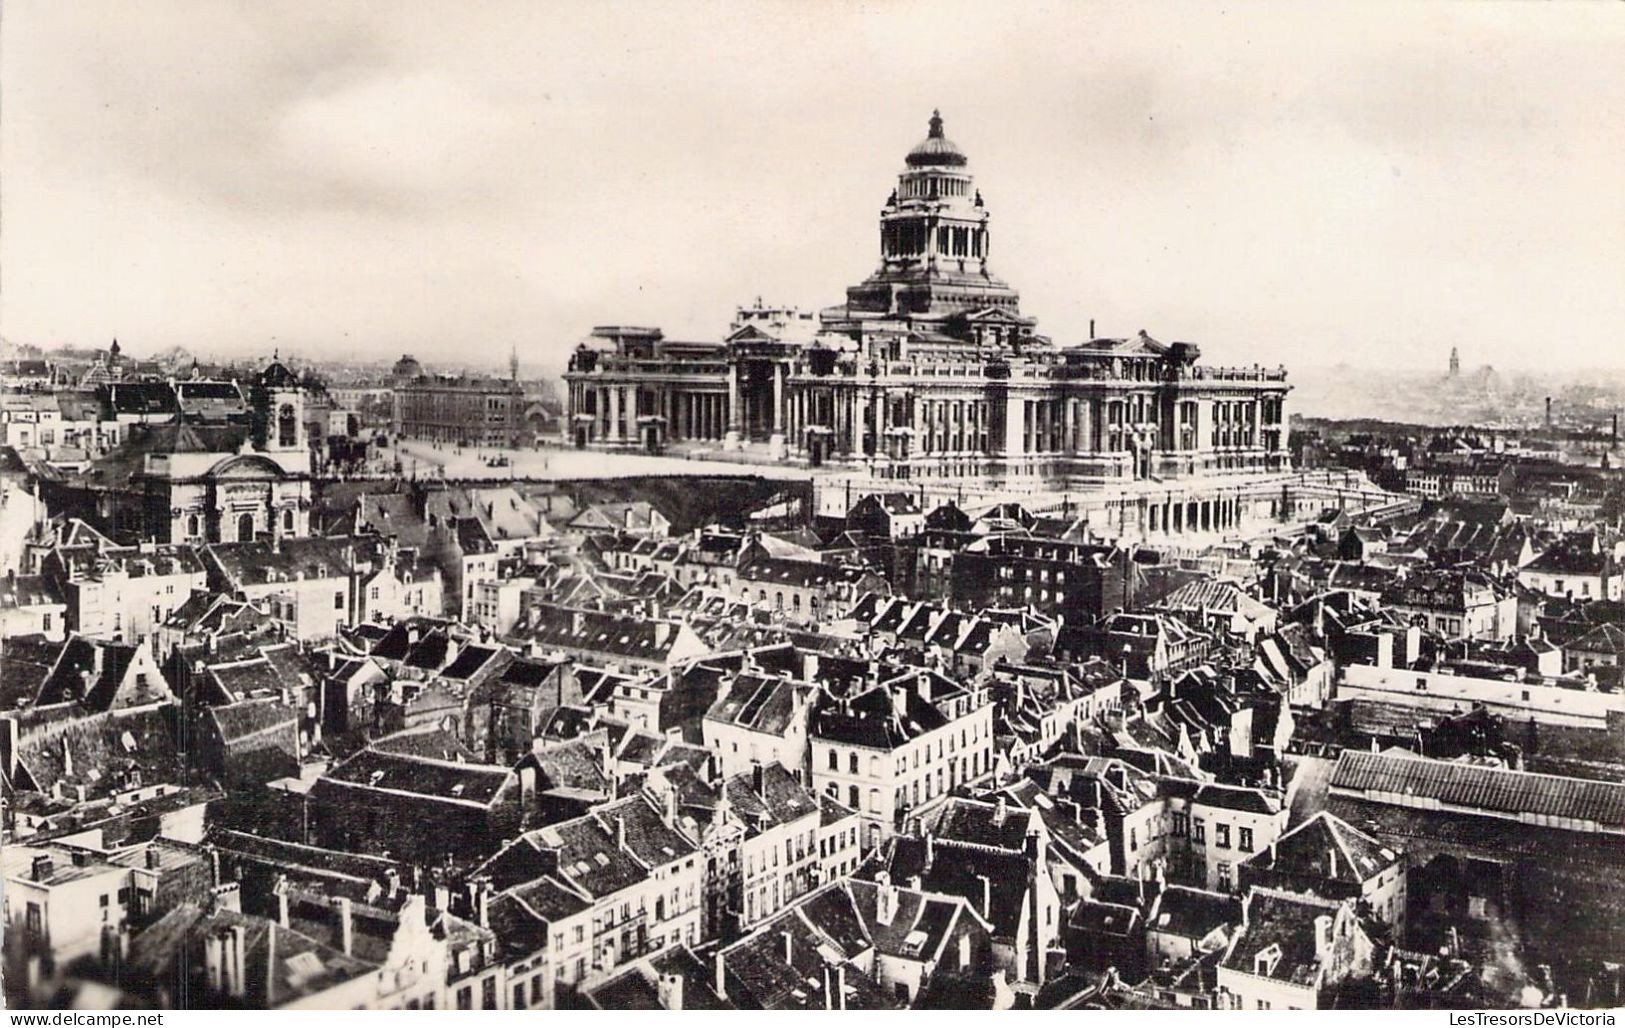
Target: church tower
{"x": 1455, "y": 363}
{"x": 279, "y": 410}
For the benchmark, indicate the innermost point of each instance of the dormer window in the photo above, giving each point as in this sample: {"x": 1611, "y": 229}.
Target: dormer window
{"x": 1266, "y": 959}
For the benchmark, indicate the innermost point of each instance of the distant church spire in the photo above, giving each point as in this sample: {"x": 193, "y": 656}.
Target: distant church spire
{"x": 1455, "y": 362}
{"x": 513, "y": 362}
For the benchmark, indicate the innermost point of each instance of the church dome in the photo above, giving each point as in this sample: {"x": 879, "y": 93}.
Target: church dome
{"x": 936, "y": 150}
{"x": 277, "y": 376}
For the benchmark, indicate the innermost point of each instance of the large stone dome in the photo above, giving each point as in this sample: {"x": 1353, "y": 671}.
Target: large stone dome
{"x": 935, "y": 149}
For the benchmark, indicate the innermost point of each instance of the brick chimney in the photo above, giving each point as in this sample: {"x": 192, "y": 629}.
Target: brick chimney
{"x": 41, "y": 867}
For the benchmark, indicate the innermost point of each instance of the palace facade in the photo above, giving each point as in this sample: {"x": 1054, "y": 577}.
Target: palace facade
{"x": 930, "y": 370}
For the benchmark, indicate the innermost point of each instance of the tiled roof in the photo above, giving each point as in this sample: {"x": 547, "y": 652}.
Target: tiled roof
{"x": 1486, "y": 789}
{"x": 1308, "y": 849}
{"x": 1192, "y": 913}
{"x": 1283, "y": 924}
{"x": 444, "y": 781}
{"x": 251, "y": 717}
{"x": 760, "y": 703}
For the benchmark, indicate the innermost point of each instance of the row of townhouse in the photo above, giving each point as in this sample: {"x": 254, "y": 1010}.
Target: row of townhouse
{"x": 899, "y": 742}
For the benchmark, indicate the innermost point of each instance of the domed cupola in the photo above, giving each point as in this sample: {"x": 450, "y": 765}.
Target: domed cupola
{"x": 277, "y": 376}
{"x": 936, "y": 150}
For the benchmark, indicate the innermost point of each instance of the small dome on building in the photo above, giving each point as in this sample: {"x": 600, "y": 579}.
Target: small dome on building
{"x": 277, "y": 376}
{"x": 936, "y": 149}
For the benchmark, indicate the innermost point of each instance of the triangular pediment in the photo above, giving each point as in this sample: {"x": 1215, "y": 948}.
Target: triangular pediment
{"x": 994, "y": 316}
{"x": 750, "y": 334}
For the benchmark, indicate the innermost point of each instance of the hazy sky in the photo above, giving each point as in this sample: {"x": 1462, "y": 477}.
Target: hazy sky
{"x": 1300, "y": 184}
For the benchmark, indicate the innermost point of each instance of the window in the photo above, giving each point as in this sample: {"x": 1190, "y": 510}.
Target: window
{"x": 1221, "y": 836}
{"x": 338, "y": 601}
{"x": 1199, "y": 833}
{"x": 852, "y": 763}
{"x": 1245, "y": 843}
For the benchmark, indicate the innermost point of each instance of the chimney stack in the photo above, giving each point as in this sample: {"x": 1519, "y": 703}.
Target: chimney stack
{"x": 41, "y": 867}
{"x": 719, "y": 976}
{"x": 787, "y": 948}
{"x": 834, "y": 987}
{"x": 346, "y": 926}
{"x": 1323, "y": 937}
{"x": 885, "y": 898}
{"x": 223, "y": 961}
{"x": 670, "y": 989}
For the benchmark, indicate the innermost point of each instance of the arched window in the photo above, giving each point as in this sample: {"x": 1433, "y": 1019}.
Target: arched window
{"x": 287, "y": 426}
{"x": 852, "y": 797}
{"x": 834, "y": 761}
{"x": 245, "y": 528}
{"x": 287, "y": 521}
{"x": 194, "y": 525}
{"x": 852, "y": 763}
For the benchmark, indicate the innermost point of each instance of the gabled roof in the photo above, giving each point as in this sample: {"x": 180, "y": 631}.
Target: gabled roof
{"x": 1192, "y": 913}
{"x": 1477, "y": 788}
{"x": 443, "y": 781}
{"x": 1328, "y": 848}
{"x": 1280, "y": 927}
{"x": 760, "y": 703}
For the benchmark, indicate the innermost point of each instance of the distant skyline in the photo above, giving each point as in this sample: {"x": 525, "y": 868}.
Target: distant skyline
{"x": 1367, "y": 183}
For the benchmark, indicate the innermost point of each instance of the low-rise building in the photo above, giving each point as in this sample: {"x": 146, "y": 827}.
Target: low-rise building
{"x": 1329, "y": 857}
{"x": 1292, "y": 952}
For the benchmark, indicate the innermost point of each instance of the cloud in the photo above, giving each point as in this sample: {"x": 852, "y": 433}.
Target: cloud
{"x": 1370, "y": 181}
{"x": 413, "y": 141}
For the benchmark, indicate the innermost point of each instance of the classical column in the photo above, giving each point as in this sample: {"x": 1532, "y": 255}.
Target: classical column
{"x": 735, "y": 410}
